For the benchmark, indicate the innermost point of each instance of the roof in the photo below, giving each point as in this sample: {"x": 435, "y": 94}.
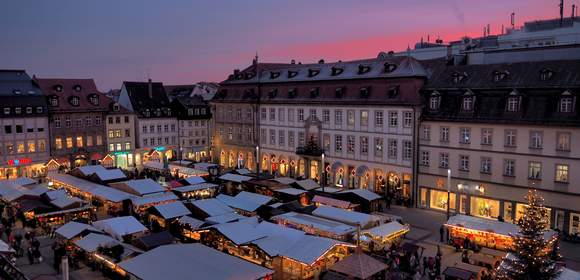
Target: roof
{"x": 212, "y": 207}
{"x": 193, "y": 180}
{"x": 87, "y": 88}
{"x": 291, "y": 191}
{"x": 93, "y": 241}
{"x": 225, "y": 218}
{"x": 21, "y": 91}
{"x": 111, "y": 194}
{"x": 73, "y": 181}
{"x": 153, "y": 198}
{"x": 203, "y": 165}
{"x": 192, "y": 222}
{"x": 154, "y": 240}
{"x": 307, "y": 184}
{"x": 141, "y": 99}
{"x": 54, "y": 194}
{"x": 386, "y": 229}
{"x": 72, "y": 229}
{"x": 235, "y": 178}
{"x": 316, "y": 222}
{"x": 309, "y": 249}
{"x": 66, "y": 201}
{"x": 190, "y": 188}
{"x": 240, "y": 232}
{"x": 120, "y": 226}
{"x": 364, "y": 194}
{"x": 285, "y": 180}
{"x": 5, "y": 248}
{"x": 172, "y": 210}
{"x": 345, "y": 216}
{"x": 482, "y": 224}
{"x": 359, "y": 266}
{"x": 246, "y": 201}
{"x": 568, "y": 274}
{"x": 182, "y": 261}
{"x": 243, "y": 171}
{"x": 332, "y": 202}
{"x": 143, "y": 186}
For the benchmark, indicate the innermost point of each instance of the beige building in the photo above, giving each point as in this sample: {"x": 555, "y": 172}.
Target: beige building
{"x": 500, "y": 129}
{"x": 120, "y": 127}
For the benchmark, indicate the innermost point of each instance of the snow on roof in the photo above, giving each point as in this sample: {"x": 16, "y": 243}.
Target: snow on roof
{"x": 91, "y": 169}
{"x": 235, "y": 178}
{"x": 204, "y": 166}
{"x": 568, "y": 274}
{"x": 193, "y": 180}
{"x": 359, "y": 266}
{"x": 153, "y": 198}
{"x": 172, "y": 210}
{"x": 316, "y": 222}
{"x": 310, "y": 248}
{"x": 245, "y": 200}
{"x": 364, "y": 194}
{"x": 5, "y": 248}
{"x": 240, "y": 232}
{"x": 111, "y": 194}
{"x": 225, "y": 218}
{"x": 144, "y": 186}
{"x": 482, "y": 224}
{"x": 385, "y": 229}
{"x": 52, "y": 195}
{"x": 329, "y": 189}
{"x": 192, "y": 222}
{"x": 186, "y": 170}
{"x": 37, "y": 189}
{"x": 332, "y": 202}
{"x": 276, "y": 205}
{"x": 345, "y": 216}
{"x": 291, "y": 191}
{"x": 190, "y": 188}
{"x": 212, "y": 207}
{"x": 21, "y": 181}
{"x": 93, "y": 241}
{"x": 72, "y": 229}
{"x": 101, "y": 172}
{"x": 120, "y": 226}
{"x": 65, "y": 201}
{"x": 285, "y": 180}
{"x": 73, "y": 181}
{"x": 254, "y": 197}
{"x": 243, "y": 171}
{"x": 184, "y": 261}
{"x": 308, "y": 184}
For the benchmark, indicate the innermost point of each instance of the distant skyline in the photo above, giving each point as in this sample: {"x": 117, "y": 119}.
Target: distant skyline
{"x": 180, "y": 42}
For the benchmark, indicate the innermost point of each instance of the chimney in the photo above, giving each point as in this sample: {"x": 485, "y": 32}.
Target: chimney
{"x": 150, "y": 89}
{"x": 561, "y": 12}
{"x": 573, "y": 11}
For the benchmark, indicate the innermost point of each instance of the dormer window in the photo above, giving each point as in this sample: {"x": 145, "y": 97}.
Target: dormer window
{"x": 190, "y": 111}
{"x": 339, "y": 92}
{"x": 74, "y": 101}
{"x": 273, "y": 92}
{"x": 546, "y": 74}
{"x": 363, "y": 69}
{"x": 17, "y": 91}
{"x": 274, "y": 75}
{"x": 513, "y": 104}
{"x": 57, "y": 88}
{"x": 53, "y": 101}
{"x": 467, "y": 102}
{"x": 248, "y": 75}
{"x": 314, "y": 92}
{"x": 28, "y": 110}
{"x": 158, "y": 112}
{"x": 147, "y": 113}
{"x": 393, "y": 92}
{"x": 292, "y": 74}
{"x": 94, "y": 99}
{"x": 169, "y": 112}
{"x": 313, "y": 72}
{"x": 500, "y": 75}
{"x": 116, "y": 107}
{"x": 566, "y": 104}
{"x": 18, "y": 110}
{"x": 337, "y": 71}
{"x": 390, "y": 67}
{"x": 365, "y": 92}
{"x": 459, "y": 77}
{"x": 434, "y": 101}
{"x": 77, "y": 88}
{"x": 292, "y": 93}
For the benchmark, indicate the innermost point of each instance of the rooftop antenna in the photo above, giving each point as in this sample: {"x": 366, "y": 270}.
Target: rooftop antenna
{"x": 428, "y": 39}
{"x": 513, "y": 19}
{"x": 502, "y": 29}
{"x": 573, "y": 11}
{"x": 148, "y": 70}
{"x": 488, "y": 29}
{"x": 561, "y": 12}
{"x": 484, "y": 31}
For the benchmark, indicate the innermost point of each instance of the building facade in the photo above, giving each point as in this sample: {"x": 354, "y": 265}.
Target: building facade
{"x": 24, "y": 136}
{"x": 77, "y": 112}
{"x": 194, "y": 119}
{"x": 120, "y": 127}
{"x": 499, "y": 129}
{"x": 345, "y": 124}
{"x": 156, "y": 132}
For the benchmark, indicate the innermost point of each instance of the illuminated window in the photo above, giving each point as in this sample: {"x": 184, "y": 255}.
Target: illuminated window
{"x": 79, "y": 141}
{"x": 99, "y": 140}
{"x": 534, "y": 170}
{"x": 119, "y": 147}
{"x": 364, "y": 145}
{"x": 31, "y": 146}
{"x": 20, "y": 148}
{"x": 69, "y": 142}
{"x": 563, "y": 143}
{"x": 89, "y": 141}
{"x": 561, "y": 173}
{"x": 118, "y": 133}
{"x": 58, "y": 143}
{"x": 364, "y": 118}
{"x": 127, "y": 145}
{"x": 111, "y": 147}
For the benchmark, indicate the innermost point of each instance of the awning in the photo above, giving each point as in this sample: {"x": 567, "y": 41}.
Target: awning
{"x": 361, "y": 170}
{"x": 335, "y": 166}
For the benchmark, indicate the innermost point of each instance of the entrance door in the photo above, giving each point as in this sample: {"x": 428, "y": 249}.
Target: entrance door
{"x": 574, "y": 223}
{"x": 559, "y": 220}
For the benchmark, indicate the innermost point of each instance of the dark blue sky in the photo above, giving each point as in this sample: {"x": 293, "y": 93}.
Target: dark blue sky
{"x": 180, "y": 41}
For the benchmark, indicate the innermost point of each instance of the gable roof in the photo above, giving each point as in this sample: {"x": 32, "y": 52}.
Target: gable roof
{"x": 359, "y": 266}
{"x": 72, "y": 229}
{"x": 93, "y": 241}
{"x": 172, "y": 210}
{"x": 142, "y": 186}
{"x": 87, "y": 88}
{"x": 345, "y": 216}
{"x": 212, "y": 206}
{"x": 142, "y": 99}
{"x": 120, "y": 226}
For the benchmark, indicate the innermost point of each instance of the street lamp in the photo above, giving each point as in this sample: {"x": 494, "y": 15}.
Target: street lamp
{"x": 448, "y": 191}
{"x": 258, "y": 162}
{"x": 323, "y": 177}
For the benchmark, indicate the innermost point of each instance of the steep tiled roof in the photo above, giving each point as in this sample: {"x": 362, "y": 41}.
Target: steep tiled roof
{"x": 17, "y": 89}
{"x": 72, "y": 88}
{"x": 142, "y": 99}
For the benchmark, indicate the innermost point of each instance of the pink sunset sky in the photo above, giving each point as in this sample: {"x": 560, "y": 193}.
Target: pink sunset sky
{"x": 182, "y": 41}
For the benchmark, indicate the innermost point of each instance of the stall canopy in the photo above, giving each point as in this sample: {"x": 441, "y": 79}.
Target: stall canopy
{"x": 291, "y": 191}
{"x": 204, "y": 166}
{"x": 184, "y": 261}
{"x": 73, "y": 229}
{"x": 225, "y": 218}
{"x": 359, "y": 266}
{"x": 349, "y": 217}
{"x": 172, "y": 210}
{"x": 93, "y": 241}
{"x": 111, "y": 194}
{"x": 333, "y": 202}
{"x": 307, "y": 184}
{"x": 246, "y": 201}
{"x": 235, "y": 178}
{"x": 194, "y": 180}
{"x": 72, "y": 181}
{"x": 212, "y": 207}
{"x": 155, "y": 240}
{"x": 67, "y": 202}
{"x": 196, "y": 187}
{"x": 387, "y": 230}
{"x": 153, "y": 198}
{"x": 139, "y": 187}
{"x": 494, "y": 226}
{"x": 101, "y": 172}
{"x": 314, "y": 222}
{"x": 285, "y": 180}
{"x": 120, "y": 226}
{"x": 193, "y": 223}
{"x": 364, "y": 194}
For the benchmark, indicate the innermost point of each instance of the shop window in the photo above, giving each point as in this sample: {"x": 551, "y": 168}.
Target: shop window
{"x": 574, "y": 223}
{"x": 484, "y": 208}
{"x": 438, "y": 200}
{"x": 561, "y": 173}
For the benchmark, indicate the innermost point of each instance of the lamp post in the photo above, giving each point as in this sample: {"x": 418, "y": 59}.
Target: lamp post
{"x": 258, "y": 162}
{"x": 448, "y": 192}
{"x": 323, "y": 177}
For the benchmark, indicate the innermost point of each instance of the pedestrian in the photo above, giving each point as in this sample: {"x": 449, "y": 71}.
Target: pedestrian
{"x": 441, "y": 231}
{"x": 30, "y": 256}
{"x": 438, "y": 264}
{"x": 425, "y": 264}
{"x": 37, "y": 255}
{"x": 466, "y": 243}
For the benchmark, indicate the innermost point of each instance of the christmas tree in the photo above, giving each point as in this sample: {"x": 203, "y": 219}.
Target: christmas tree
{"x": 533, "y": 255}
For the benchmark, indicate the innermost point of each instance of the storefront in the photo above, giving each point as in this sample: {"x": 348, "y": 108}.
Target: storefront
{"x": 122, "y": 160}
{"x": 21, "y": 167}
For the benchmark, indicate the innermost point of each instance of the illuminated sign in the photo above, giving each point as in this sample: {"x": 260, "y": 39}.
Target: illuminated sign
{"x": 120, "y": 153}
{"x": 160, "y": 149}
{"x": 19, "y": 161}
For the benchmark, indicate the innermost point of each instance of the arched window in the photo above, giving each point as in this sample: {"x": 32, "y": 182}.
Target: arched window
{"x": 566, "y": 104}
{"x": 434, "y": 101}
{"x": 467, "y": 102}
{"x": 74, "y": 100}
{"x": 513, "y": 102}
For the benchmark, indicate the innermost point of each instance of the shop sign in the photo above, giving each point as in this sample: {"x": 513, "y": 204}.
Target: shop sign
{"x": 120, "y": 153}
{"x": 475, "y": 189}
{"x": 160, "y": 149}
{"x": 19, "y": 161}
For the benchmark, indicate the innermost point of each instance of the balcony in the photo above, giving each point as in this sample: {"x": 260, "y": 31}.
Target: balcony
{"x": 311, "y": 149}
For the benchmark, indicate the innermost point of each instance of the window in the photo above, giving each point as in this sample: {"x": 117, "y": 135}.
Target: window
{"x": 88, "y": 121}
{"x": 117, "y": 133}
{"x": 10, "y": 149}
{"x": 536, "y": 139}
{"x": 79, "y": 122}
{"x": 364, "y": 145}
{"x": 378, "y": 147}
{"x": 144, "y": 142}
{"x": 300, "y": 115}
{"x": 464, "y": 163}
{"x": 18, "y": 129}
{"x": 313, "y": 113}
{"x": 291, "y": 115}
{"x": 509, "y": 167}
{"x": 434, "y": 103}
{"x": 281, "y": 114}
{"x": 126, "y": 119}
{"x": 111, "y": 133}
{"x": 444, "y": 134}
{"x": 165, "y": 128}
{"x": 563, "y": 141}
{"x": 393, "y": 118}
{"x": 89, "y": 141}
{"x": 8, "y": 129}
{"x": 42, "y": 145}
{"x": 117, "y": 119}
{"x": 99, "y": 140}
{"x": 230, "y": 133}
{"x": 534, "y": 170}
{"x": 74, "y": 101}
{"x": 561, "y": 173}
{"x": 425, "y": 158}
{"x": 263, "y": 136}
{"x": 444, "y": 160}
{"x": 510, "y": 137}
{"x": 513, "y": 104}
{"x": 426, "y": 132}
{"x": 20, "y": 148}
{"x": 350, "y": 117}
{"x": 566, "y": 104}
{"x": 69, "y": 142}
{"x": 378, "y": 118}
{"x": 53, "y": 101}
{"x": 248, "y": 113}
{"x": 485, "y": 165}
{"x": 326, "y": 142}
{"x": 282, "y": 138}
{"x": 407, "y": 150}
{"x": 464, "y": 135}
{"x": 291, "y": 139}
{"x": 127, "y": 145}
{"x": 127, "y": 133}
{"x": 79, "y": 141}
{"x": 67, "y": 121}
{"x": 31, "y": 145}
{"x": 119, "y": 146}
{"x": 364, "y": 118}
{"x": 338, "y": 143}
{"x": 94, "y": 99}
{"x": 408, "y": 119}
{"x": 263, "y": 113}
{"x": 301, "y": 139}
{"x": 392, "y": 148}
{"x": 173, "y": 127}
{"x": 6, "y": 110}
{"x": 486, "y": 136}
{"x": 350, "y": 144}
{"x": 39, "y": 110}
{"x": 29, "y": 110}
{"x": 546, "y": 74}
{"x": 56, "y": 122}
{"x": 326, "y": 116}
{"x": 18, "y": 110}
{"x": 338, "y": 117}
{"x": 111, "y": 147}
{"x": 272, "y": 114}
{"x": 272, "y": 137}
{"x": 467, "y": 104}
{"x": 97, "y": 120}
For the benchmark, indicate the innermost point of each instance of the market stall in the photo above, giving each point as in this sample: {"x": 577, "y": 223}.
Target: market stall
{"x": 197, "y": 191}
{"x": 316, "y": 225}
{"x": 377, "y": 238}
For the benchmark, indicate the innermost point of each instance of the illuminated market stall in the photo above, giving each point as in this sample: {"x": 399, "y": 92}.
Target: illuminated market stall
{"x": 315, "y": 225}
{"x": 197, "y": 191}
{"x": 383, "y": 236}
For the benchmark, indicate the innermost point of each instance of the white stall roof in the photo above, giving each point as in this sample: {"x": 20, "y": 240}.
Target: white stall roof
{"x": 120, "y": 226}
{"x": 193, "y": 180}
{"x": 153, "y": 198}
{"x": 240, "y": 232}
{"x": 307, "y": 184}
{"x": 235, "y": 178}
{"x": 482, "y": 224}
{"x": 253, "y": 197}
{"x": 291, "y": 191}
{"x": 144, "y": 186}
{"x": 55, "y": 194}
{"x": 203, "y": 166}
{"x": 20, "y": 181}
{"x": 5, "y": 248}
{"x": 243, "y": 171}
{"x": 172, "y": 210}
{"x": 345, "y": 216}
{"x": 111, "y": 194}
{"x": 65, "y": 201}
{"x": 285, "y": 180}
{"x": 190, "y": 188}
{"x": 245, "y": 201}
{"x": 192, "y": 222}
{"x": 212, "y": 207}
{"x": 385, "y": 229}
{"x": 329, "y": 189}
{"x": 364, "y": 194}
{"x": 187, "y": 261}
{"x": 101, "y": 172}
{"x": 73, "y": 181}
{"x": 187, "y": 170}
{"x": 225, "y": 218}
{"x": 316, "y": 222}
{"x": 93, "y": 241}
{"x": 72, "y": 229}
{"x": 91, "y": 169}
{"x": 310, "y": 248}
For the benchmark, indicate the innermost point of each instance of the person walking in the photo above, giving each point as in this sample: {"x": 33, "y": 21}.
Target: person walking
{"x": 30, "y": 256}
{"x": 441, "y": 232}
